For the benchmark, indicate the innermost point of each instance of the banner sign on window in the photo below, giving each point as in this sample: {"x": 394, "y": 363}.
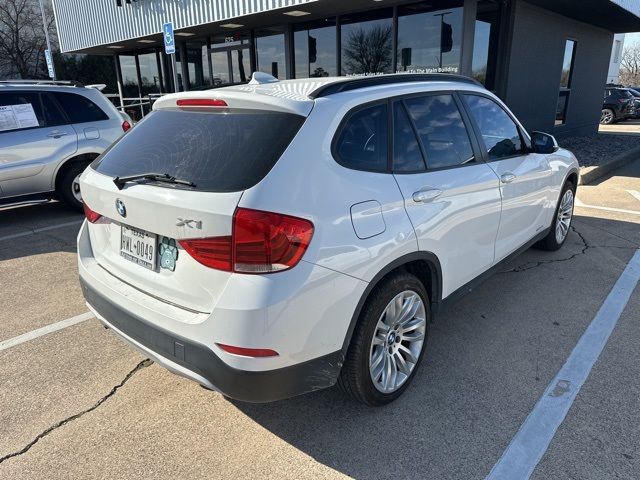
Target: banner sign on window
{"x": 13, "y": 117}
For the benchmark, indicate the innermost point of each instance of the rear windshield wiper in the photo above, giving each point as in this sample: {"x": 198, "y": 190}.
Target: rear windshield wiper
{"x": 155, "y": 177}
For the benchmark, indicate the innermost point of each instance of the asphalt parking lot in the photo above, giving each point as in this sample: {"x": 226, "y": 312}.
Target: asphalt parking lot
{"x": 78, "y": 403}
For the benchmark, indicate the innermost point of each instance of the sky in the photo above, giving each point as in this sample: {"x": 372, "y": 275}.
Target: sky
{"x": 632, "y": 38}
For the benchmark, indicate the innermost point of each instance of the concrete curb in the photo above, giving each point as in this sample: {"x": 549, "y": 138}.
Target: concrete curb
{"x": 591, "y": 174}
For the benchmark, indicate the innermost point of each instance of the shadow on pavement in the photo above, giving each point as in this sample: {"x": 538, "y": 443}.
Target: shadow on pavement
{"x": 17, "y": 223}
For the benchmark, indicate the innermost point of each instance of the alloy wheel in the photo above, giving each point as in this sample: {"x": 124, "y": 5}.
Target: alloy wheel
{"x": 606, "y": 117}
{"x": 75, "y": 188}
{"x": 398, "y": 340}
{"x": 565, "y": 212}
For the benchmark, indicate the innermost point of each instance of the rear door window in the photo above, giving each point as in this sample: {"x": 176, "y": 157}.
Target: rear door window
{"x": 362, "y": 141}
{"x": 52, "y": 113}
{"x": 219, "y": 151}
{"x": 79, "y": 109}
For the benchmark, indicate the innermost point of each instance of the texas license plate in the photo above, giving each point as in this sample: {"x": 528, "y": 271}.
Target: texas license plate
{"x": 138, "y": 246}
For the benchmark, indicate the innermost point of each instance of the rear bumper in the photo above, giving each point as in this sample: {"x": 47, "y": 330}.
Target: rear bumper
{"x": 199, "y": 363}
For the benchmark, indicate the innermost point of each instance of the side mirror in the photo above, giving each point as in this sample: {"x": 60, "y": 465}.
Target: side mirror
{"x": 543, "y": 143}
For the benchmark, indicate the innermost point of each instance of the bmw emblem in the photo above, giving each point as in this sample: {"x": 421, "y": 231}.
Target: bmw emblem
{"x": 122, "y": 210}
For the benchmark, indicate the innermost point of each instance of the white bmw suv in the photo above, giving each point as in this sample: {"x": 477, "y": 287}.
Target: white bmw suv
{"x": 272, "y": 239}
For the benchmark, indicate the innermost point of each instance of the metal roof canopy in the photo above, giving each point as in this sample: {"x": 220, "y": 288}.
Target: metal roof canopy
{"x": 607, "y": 14}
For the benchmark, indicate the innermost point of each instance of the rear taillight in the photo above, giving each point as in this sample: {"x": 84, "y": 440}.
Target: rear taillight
{"x": 126, "y": 126}
{"x": 261, "y": 242}
{"x": 201, "y": 102}
{"x": 211, "y": 252}
{"x": 92, "y": 216}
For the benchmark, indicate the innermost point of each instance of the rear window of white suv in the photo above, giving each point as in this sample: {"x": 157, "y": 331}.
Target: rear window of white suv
{"x": 219, "y": 151}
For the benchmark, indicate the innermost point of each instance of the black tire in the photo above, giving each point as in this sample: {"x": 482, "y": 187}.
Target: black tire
{"x": 550, "y": 242}
{"x": 355, "y": 379}
{"x": 607, "y": 117}
{"x": 65, "y": 184}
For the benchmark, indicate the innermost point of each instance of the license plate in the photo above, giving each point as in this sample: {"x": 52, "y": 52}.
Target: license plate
{"x": 138, "y": 246}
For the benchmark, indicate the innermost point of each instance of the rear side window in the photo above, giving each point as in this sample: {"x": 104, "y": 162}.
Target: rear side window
{"x": 362, "y": 141}
{"x": 219, "y": 151}
{"x": 20, "y": 110}
{"x": 500, "y": 134}
{"x": 441, "y": 130}
{"x": 52, "y": 113}
{"x": 79, "y": 109}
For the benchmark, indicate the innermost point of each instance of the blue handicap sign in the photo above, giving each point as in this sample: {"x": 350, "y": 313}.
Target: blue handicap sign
{"x": 169, "y": 41}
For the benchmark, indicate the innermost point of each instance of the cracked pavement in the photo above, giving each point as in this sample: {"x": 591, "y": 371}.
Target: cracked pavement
{"x": 78, "y": 403}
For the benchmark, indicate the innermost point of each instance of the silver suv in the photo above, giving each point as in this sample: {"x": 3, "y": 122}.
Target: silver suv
{"x": 49, "y": 133}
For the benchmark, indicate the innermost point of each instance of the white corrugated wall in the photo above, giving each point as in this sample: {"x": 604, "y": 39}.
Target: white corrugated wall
{"x": 89, "y": 23}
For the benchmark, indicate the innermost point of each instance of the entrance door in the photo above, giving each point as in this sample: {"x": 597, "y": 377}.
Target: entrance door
{"x": 231, "y": 59}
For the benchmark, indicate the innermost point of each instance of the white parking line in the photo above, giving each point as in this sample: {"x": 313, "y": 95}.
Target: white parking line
{"x": 54, "y": 327}
{"x": 532, "y": 440}
{"x": 40, "y": 229}
{"x": 606, "y": 209}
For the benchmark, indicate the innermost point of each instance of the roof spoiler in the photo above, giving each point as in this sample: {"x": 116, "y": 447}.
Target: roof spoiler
{"x": 97, "y": 86}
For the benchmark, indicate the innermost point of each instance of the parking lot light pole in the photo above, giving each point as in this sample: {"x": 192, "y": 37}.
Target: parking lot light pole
{"x": 46, "y": 36}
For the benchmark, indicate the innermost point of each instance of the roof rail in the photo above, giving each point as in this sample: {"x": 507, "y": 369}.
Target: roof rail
{"x": 73, "y": 83}
{"x": 354, "y": 83}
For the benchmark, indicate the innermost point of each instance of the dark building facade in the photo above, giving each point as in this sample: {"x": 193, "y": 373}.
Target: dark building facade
{"x": 547, "y": 59}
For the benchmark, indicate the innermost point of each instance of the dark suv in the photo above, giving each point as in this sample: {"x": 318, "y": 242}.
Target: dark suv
{"x": 619, "y": 103}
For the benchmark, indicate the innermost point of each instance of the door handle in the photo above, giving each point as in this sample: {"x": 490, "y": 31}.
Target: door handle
{"x": 426, "y": 194}
{"x": 57, "y": 134}
{"x": 507, "y": 177}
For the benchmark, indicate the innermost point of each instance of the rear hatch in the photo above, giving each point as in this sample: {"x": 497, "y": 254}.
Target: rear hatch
{"x": 206, "y": 157}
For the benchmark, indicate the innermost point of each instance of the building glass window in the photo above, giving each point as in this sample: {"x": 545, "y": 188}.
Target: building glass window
{"x": 179, "y": 69}
{"x": 220, "y": 66}
{"x": 367, "y": 43}
{"x": 485, "y": 43}
{"x": 149, "y": 73}
{"x": 270, "y": 57}
{"x": 129, "y": 76}
{"x": 198, "y": 66}
{"x": 429, "y": 37}
{"x": 565, "y": 82}
{"x": 230, "y": 58}
{"x": 315, "y": 49}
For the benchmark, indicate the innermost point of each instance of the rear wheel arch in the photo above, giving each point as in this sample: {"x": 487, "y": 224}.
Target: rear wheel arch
{"x": 424, "y": 265}
{"x": 83, "y": 158}
{"x": 67, "y": 186}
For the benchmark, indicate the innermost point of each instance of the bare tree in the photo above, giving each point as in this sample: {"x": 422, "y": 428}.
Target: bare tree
{"x": 22, "y": 39}
{"x": 630, "y": 66}
{"x": 368, "y": 51}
